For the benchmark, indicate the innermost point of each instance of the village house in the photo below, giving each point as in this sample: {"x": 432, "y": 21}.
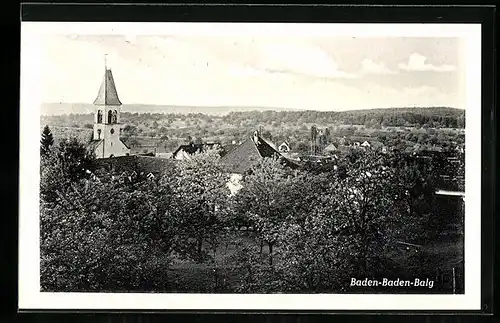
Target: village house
{"x": 330, "y": 149}
{"x": 186, "y": 151}
{"x": 284, "y": 148}
{"x": 241, "y": 159}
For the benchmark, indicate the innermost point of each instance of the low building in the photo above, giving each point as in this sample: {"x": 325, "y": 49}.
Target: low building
{"x": 249, "y": 152}
{"x": 186, "y": 151}
{"x": 330, "y": 149}
{"x": 284, "y": 148}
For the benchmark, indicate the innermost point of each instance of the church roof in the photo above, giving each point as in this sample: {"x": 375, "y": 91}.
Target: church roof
{"x": 136, "y": 163}
{"x": 93, "y": 144}
{"x": 107, "y": 92}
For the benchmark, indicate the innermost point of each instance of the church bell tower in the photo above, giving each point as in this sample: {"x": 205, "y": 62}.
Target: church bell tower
{"x": 106, "y": 135}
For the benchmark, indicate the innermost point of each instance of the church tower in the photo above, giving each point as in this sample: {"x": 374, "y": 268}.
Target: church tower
{"x": 107, "y": 127}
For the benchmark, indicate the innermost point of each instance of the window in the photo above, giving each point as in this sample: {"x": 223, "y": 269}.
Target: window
{"x": 112, "y": 131}
{"x": 110, "y": 116}
{"x": 99, "y": 116}
{"x": 99, "y": 134}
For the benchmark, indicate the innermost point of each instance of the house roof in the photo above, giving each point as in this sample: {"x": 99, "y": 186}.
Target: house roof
{"x": 331, "y": 147}
{"x": 194, "y": 148}
{"x": 343, "y": 141}
{"x": 243, "y": 157}
{"x": 107, "y": 94}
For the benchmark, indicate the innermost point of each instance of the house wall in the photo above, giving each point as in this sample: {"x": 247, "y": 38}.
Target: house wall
{"x": 234, "y": 183}
{"x": 181, "y": 154}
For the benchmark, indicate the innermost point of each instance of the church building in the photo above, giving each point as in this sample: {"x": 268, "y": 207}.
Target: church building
{"x": 106, "y": 141}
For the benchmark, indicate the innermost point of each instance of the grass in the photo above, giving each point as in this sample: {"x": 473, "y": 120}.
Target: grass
{"x": 221, "y": 275}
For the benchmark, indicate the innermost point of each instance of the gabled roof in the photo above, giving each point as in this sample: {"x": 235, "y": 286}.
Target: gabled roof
{"x": 93, "y": 144}
{"x": 242, "y": 158}
{"x": 331, "y": 147}
{"x": 194, "y": 148}
{"x": 135, "y": 163}
{"x": 107, "y": 92}
{"x": 343, "y": 141}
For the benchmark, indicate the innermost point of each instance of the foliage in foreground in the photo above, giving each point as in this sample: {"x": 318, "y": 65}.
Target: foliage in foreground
{"x": 310, "y": 231}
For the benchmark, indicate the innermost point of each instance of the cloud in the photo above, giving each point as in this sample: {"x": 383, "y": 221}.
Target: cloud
{"x": 370, "y": 67}
{"x": 418, "y": 63}
{"x": 300, "y": 59}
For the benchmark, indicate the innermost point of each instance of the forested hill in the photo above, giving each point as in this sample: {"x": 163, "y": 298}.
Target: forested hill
{"x": 435, "y": 117}
{"x": 432, "y": 117}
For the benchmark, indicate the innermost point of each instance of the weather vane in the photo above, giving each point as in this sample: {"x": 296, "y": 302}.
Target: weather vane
{"x": 105, "y": 61}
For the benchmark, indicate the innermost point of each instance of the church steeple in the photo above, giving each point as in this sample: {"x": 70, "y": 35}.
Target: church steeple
{"x": 107, "y": 92}
{"x": 107, "y": 126}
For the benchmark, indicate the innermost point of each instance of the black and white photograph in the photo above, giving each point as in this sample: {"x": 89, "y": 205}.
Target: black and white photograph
{"x": 249, "y": 160}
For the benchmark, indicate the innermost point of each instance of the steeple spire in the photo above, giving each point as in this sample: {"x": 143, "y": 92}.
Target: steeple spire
{"x": 107, "y": 92}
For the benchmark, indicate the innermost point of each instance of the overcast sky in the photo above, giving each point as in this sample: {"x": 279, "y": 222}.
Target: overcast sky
{"x": 319, "y": 73}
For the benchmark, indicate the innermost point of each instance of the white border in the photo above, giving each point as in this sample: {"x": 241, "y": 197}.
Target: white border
{"x": 30, "y": 296}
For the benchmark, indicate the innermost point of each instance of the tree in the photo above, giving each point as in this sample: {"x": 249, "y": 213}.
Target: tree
{"x": 47, "y": 140}
{"x": 201, "y": 192}
{"x": 61, "y": 167}
{"x": 107, "y": 233}
{"x": 263, "y": 199}
{"x": 198, "y": 141}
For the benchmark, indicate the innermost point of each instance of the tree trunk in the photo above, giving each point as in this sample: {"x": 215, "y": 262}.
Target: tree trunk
{"x": 261, "y": 246}
{"x": 270, "y": 253}
{"x": 199, "y": 247}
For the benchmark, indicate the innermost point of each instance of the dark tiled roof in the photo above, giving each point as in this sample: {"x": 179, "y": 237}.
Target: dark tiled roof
{"x": 265, "y": 148}
{"x": 139, "y": 164}
{"x": 107, "y": 92}
{"x": 92, "y": 145}
{"x": 153, "y": 165}
{"x": 242, "y": 158}
{"x": 194, "y": 148}
{"x": 119, "y": 163}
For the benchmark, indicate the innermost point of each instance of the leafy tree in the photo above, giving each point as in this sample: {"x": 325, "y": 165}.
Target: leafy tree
{"x": 263, "y": 199}
{"x": 69, "y": 163}
{"x": 201, "y": 193}
{"x": 107, "y": 234}
{"x": 47, "y": 140}
{"x": 198, "y": 141}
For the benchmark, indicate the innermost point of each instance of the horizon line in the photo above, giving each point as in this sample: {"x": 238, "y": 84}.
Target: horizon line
{"x": 263, "y": 106}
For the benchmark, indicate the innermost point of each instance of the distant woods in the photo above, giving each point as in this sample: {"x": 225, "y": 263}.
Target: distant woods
{"x": 435, "y": 117}
{"x": 395, "y": 117}
{"x": 397, "y": 127}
